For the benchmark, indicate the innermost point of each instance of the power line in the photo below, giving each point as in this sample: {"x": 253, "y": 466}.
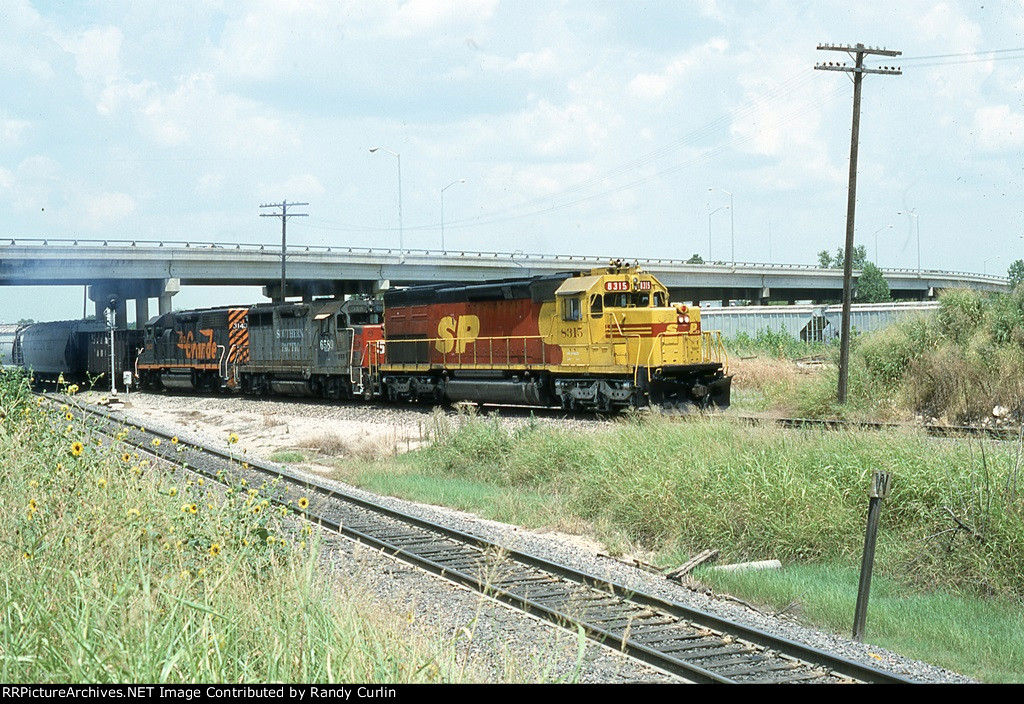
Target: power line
{"x": 908, "y": 59}
{"x": 510, "y": 214}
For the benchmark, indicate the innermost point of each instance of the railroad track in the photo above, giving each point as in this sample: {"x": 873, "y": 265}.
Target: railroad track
{"x": 1008, "y": 433}
{"x": 945, "y": 431}
{"x": 678, "y": 639}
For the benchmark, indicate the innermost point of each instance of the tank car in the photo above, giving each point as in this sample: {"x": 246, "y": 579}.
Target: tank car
{"x": 322, "y": 348}
{"x": 600, "y": 340}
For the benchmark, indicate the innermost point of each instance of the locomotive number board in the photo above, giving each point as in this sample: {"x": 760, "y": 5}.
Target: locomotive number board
{"x": 624, "y": 286}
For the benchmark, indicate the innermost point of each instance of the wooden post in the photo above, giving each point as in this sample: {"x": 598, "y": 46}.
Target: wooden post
{"x": 879, "y": 490}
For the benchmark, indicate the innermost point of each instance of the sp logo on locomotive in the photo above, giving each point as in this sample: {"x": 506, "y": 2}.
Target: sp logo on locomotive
{"x": 455, "y": 332}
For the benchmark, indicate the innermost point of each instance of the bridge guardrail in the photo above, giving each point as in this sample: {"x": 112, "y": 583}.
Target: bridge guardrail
{"x": 272, "y": 250}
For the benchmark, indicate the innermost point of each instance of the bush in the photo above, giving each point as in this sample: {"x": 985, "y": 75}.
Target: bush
{"x": 774, "y": 343}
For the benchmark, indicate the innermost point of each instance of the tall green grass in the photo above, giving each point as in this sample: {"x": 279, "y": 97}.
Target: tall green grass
{"x": 111, "y": 571}
{"x": 755, "y": 493}
{"x": 982, "y": 637}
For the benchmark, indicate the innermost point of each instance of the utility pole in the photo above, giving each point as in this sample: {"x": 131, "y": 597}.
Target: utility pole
{"x": 284, "y": 215}
{"x": 858, "y": 70}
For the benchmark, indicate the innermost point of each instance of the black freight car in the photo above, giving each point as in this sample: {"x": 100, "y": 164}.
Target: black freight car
{"x": 127, "y": 344}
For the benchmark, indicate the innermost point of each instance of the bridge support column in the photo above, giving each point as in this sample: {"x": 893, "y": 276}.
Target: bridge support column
{"x": 141, "y": 311}
{"x": 117, "y": 293}
{"x": 121, "y": 314}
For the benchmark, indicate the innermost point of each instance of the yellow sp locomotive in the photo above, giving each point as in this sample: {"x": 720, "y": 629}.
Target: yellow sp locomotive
{"x": 600, "y": 340}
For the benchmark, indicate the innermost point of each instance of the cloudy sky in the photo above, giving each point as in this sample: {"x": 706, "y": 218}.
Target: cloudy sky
{"x": 584, "y": 127}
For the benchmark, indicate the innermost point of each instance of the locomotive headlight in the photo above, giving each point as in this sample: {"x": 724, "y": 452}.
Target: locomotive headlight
{"x": 636, "y": 282}
{"x": 683, "y": 319}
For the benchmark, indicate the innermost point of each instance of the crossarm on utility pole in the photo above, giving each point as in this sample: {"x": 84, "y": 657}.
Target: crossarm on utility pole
{"x": 284, "y": 215}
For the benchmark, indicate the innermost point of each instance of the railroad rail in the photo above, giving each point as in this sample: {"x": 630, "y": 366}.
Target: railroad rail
{"x": 944, "y": 431}
{"x": 676, "y": 638}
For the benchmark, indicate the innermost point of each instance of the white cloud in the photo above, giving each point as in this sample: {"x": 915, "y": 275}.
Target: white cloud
{"x": 296, "y": 186}
{"x": 24, "y": 46}
{"x": 210, "y": 184}
{"x": 536, "y": 62}
{"x": 12, "y": 131}
{"x": 198, "y": 114}
{"x": 649, "y": 86}
{"x": 418, "y": 17}
{"x": 97, "y": 53}
{"x": 106, "y": 208}
{"x": 998, "y": 128}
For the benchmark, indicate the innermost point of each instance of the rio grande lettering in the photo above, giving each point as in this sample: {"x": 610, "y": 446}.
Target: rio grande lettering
{"x": 197, "y": 350}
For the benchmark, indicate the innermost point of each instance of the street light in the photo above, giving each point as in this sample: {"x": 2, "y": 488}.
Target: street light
{"x": 710, "y": 213}
{"x": 984, "y": 265}
{"x": 912, "y": 214}
{"x": 461, "y": 180}
{"x": 876, "y": 241}
{"x": 732, "y": 222}
{"x": 401, "y": 232}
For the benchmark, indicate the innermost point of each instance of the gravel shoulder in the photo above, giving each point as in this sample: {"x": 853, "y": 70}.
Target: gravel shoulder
{"x": 490, "y": 632}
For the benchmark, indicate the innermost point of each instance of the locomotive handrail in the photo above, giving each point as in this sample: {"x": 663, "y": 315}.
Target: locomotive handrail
{"x": 222, "y": 367}
{"x": 711, "y": 346}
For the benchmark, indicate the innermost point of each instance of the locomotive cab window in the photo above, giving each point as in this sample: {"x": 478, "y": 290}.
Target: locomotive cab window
{"x": 596, "y": 307}
{"x": 659, "y": 299}
{"x": 571, "y": 309}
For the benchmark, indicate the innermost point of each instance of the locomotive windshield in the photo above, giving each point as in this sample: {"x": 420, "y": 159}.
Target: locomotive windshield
{"x": 632, "y": 300}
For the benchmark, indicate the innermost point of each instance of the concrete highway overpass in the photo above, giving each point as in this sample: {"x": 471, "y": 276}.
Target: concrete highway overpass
{"x": 139, "y": 270}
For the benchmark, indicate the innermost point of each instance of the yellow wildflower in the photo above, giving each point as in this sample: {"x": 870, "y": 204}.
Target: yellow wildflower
{"x": 77, "y": 448}
{"x": 215, "y": 550}
{"x": 303, "y": 503}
